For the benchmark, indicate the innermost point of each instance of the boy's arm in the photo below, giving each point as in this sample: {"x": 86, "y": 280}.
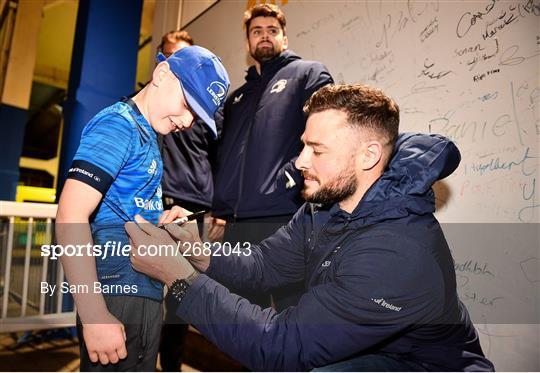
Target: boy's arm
{"x": 103, "y": 333}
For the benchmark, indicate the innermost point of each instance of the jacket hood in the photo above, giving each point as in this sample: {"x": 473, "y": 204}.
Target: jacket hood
{"x": 273, "y": 65}
{"x": 405, "y": 187}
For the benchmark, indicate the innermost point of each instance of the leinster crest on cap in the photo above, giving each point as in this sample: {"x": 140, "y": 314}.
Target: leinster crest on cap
{"x": 217, "y": 90}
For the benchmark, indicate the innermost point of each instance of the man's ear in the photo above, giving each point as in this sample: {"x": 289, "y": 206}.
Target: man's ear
{"x": 285, "y": 42}
{"x": 371, "y": 153}
{"x": 160, "y": 72}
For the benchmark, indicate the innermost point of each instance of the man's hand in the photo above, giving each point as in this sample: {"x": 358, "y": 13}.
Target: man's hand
{"x": 187, "y": 235}
{"x": 154, "y": 252}
{"x": 105, "y": 342}
{"x": 174, "y": 213}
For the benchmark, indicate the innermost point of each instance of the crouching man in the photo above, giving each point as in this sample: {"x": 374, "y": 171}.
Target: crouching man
{"x": 380, "y": 288}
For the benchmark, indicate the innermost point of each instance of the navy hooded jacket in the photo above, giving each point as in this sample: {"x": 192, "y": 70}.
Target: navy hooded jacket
{"x": 262, "y": 123}
{"x": 380, "y": 279}
{"x": 187, "y": 174}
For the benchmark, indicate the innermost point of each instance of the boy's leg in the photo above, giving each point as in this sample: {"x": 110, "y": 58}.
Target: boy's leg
{"x": 142, "y": 319}
{"x": 153, "y": 318}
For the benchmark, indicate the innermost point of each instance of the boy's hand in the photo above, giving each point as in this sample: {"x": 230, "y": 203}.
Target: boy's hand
{"x": 106, "y": 342}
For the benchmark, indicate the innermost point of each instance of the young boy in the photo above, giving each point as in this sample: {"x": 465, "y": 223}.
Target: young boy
{"x": 116, "y": 174}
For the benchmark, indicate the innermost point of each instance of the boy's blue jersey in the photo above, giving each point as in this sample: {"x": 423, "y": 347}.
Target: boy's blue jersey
{"x": 119, "y": 156}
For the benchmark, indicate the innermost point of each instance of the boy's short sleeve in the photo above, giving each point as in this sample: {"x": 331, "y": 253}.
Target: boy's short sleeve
{"x": 103, "y": 151}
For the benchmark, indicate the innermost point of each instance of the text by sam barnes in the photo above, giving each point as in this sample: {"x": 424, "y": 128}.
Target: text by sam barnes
{"x": 96, "y": 288}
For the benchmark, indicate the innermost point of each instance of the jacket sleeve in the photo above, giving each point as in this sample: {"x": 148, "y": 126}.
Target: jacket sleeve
{"x": 276, "y": 261}
{"x": 219, "y": 118}
{"x": 317, "y": 76}
{"x": 375, "y": 297}
{"x": 212, "y": 142}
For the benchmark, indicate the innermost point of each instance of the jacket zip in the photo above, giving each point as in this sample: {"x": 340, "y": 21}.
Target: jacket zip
{"x": 243, "y": 161}
{"x": 241, "y": 181}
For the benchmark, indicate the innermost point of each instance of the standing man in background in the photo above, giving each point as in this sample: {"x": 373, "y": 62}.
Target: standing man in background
{"x": 174, "y": 41}
{"x": 257, "y": 188}
{"x": 187, "y": 176}
{"x": 187, "y": 182}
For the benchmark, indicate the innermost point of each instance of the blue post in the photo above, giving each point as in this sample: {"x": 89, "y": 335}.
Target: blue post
{"x": 103, "y": 69}
{"x": 12, "y": 124}
{"x": 103, "y": 66}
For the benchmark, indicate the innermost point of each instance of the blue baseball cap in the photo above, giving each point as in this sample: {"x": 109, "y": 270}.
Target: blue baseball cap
{"x": 203, "y": 79}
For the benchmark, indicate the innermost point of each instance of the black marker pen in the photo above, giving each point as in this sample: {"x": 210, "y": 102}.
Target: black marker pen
{"x": 185, "y": 219}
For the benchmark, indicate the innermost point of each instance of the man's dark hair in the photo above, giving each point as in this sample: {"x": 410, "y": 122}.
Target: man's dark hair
{"x": 175, "y": 36}
{"x": 264, "y": 10}
{"x": 366, "y": 108}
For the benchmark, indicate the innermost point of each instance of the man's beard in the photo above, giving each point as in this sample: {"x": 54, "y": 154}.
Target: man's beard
{"x": 264, "y": 54}
{"x": 338, "y": 189}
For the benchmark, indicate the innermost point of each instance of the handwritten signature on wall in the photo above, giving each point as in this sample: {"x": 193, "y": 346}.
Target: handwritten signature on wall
{"x": 493, "y": 21}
